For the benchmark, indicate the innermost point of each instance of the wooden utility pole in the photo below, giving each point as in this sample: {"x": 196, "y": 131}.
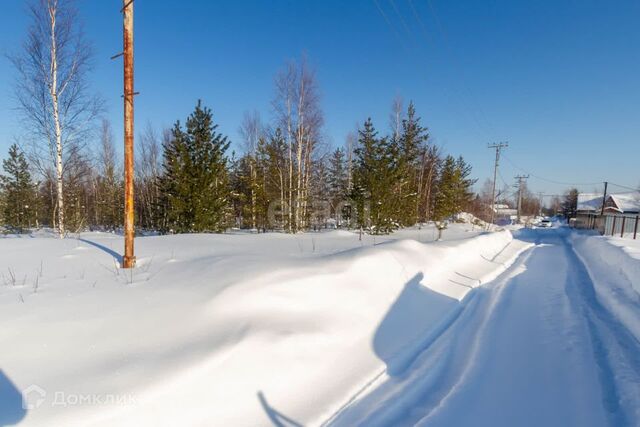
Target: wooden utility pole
{"x": 498, "y": 148}
{"x": 521, "y": 179}
{"x": 129, "y": 259}
{"x": 604, "y": 198}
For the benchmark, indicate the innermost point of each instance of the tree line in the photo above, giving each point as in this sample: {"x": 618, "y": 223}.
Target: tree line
{"x": 66, "y": 172}
{"x": 188, "y": 181}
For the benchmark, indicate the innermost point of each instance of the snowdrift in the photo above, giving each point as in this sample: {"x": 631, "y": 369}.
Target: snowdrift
{"x": 614, "y": 266}
{"x": 236, "y": 339}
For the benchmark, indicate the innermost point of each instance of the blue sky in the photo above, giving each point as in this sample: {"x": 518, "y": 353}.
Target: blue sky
{"x": 559, "y": 80}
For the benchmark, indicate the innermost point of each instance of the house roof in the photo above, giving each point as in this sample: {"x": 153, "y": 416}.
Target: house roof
{"x": 625, "y": 202}
{"x": 589, "y": 202}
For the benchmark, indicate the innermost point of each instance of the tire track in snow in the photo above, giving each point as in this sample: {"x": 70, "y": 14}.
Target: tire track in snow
{"x": 437, "y": 372}
{"x": 612, "y": 345}
{"x": 492, "y": 312}
{"x": 582, "y": 363}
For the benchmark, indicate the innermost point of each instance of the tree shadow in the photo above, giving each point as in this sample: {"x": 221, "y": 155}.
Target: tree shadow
{"x": 278, "y": 419}
{"x": 413, "y": 322}
{"x": 11, "y": 407}
{"x": 110, "y": 251}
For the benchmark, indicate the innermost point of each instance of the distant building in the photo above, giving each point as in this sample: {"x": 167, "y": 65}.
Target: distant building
{"x": 589, "y": 203}
{"x": 621, "y": 211}
{"x": 588, "y": 209}
{"x": 505, "y": 215}
{"x": 623, "y": 203}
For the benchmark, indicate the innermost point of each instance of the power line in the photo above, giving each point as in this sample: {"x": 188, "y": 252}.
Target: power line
{"x": 462, "y": 101}
{"x": 504, "y": 181}
{"x": 391, "y": 26}
{"x": 486, "y": 126}
{"x": 550, "y": 180}
{"x": 624, "y": 186}
{"x": 402, "y": 21}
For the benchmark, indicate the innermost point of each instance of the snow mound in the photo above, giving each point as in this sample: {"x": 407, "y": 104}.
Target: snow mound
{"x": 241, "y": 335}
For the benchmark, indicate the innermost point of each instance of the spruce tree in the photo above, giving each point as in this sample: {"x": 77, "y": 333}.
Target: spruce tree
{"x": 275, "y": 180}
{"x": 320, "y": 196}
{"x": 195, "y": 184}
{"x": 19, "y": 190}
{"x": 464, "y": 184}
{"x": 410, "y": 149}
{"x": 247, "y": 184}
{"x": 338, "y": 182}
{"x": 446, "y": 190}
{"x": 373, "y": 181}
{"x": 453, "y": 188}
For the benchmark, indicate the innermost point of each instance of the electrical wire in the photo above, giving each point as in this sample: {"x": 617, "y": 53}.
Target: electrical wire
{"x": 391, "y": 26}
{"x": 574, "y": 184}
{"x": 624, "y": 186}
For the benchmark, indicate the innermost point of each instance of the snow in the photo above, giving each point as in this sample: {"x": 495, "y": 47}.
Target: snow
{"x": 589, "y": 202}
{"x": 613, "y": 264}
{"x": 534, "y": 347}
{"x": 627, "y": 202}
{"x": 513, "y": 327}
{"x": 223, "y": 329}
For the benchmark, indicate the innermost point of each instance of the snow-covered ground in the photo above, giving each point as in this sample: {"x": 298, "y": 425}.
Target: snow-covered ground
{"x": 536, "y": 347}
{"x": 320, "y": 329}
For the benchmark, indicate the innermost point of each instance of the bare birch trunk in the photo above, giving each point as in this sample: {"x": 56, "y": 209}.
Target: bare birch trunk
{"x": 289, "y": 142}
{"x": 53, "y": 91}
{"x": 299, "y": 149}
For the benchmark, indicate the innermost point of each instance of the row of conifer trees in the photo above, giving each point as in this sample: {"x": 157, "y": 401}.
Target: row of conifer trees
{"x": 187, "y": 180}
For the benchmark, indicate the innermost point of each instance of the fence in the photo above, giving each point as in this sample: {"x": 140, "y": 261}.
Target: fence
{"x": 590, "y": 221}
{"x": 621, "y": 225}
{"x": 610, "y": 225}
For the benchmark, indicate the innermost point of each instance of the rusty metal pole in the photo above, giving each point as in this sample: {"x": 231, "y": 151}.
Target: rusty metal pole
{"x": 129, "y": 259}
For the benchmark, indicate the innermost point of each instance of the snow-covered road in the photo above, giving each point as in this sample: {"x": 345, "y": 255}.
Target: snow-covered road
{"x": 533, "y": 348}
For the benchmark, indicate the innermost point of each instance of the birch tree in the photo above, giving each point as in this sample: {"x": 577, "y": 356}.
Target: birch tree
{"x": 252, "y": 131}
{"x": 298, "y": 114}
{"x": 52, "y": 93}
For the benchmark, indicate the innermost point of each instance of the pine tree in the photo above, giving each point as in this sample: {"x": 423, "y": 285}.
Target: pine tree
{"x": 570, "y": 203}
{"x": 338, "y": 181}
{"x": 195, "y": 184}
{"x": 320, "y": 211}
{"x": 464, "y": 184}
{"x": 275, "y": 180}
{"x": 446, "y": 190}
{"x": 373, "y": 181}
{"x": 19, "y": 190}
{"x": 453, "y": 189}
{"x": 410, "y": 147}
{"x": 248, "y": 191}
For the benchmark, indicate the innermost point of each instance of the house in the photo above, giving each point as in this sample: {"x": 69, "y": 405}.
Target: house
{"x": 623, "y": 203}
{"x": 622, "y": 214}
{"x": 588, "y": 207}
{"x": 589, "y": 203}
{"x": 505, "y": 215}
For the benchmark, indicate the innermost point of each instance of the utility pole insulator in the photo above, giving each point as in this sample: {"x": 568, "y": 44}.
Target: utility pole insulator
{"x": 129, "y": 259}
